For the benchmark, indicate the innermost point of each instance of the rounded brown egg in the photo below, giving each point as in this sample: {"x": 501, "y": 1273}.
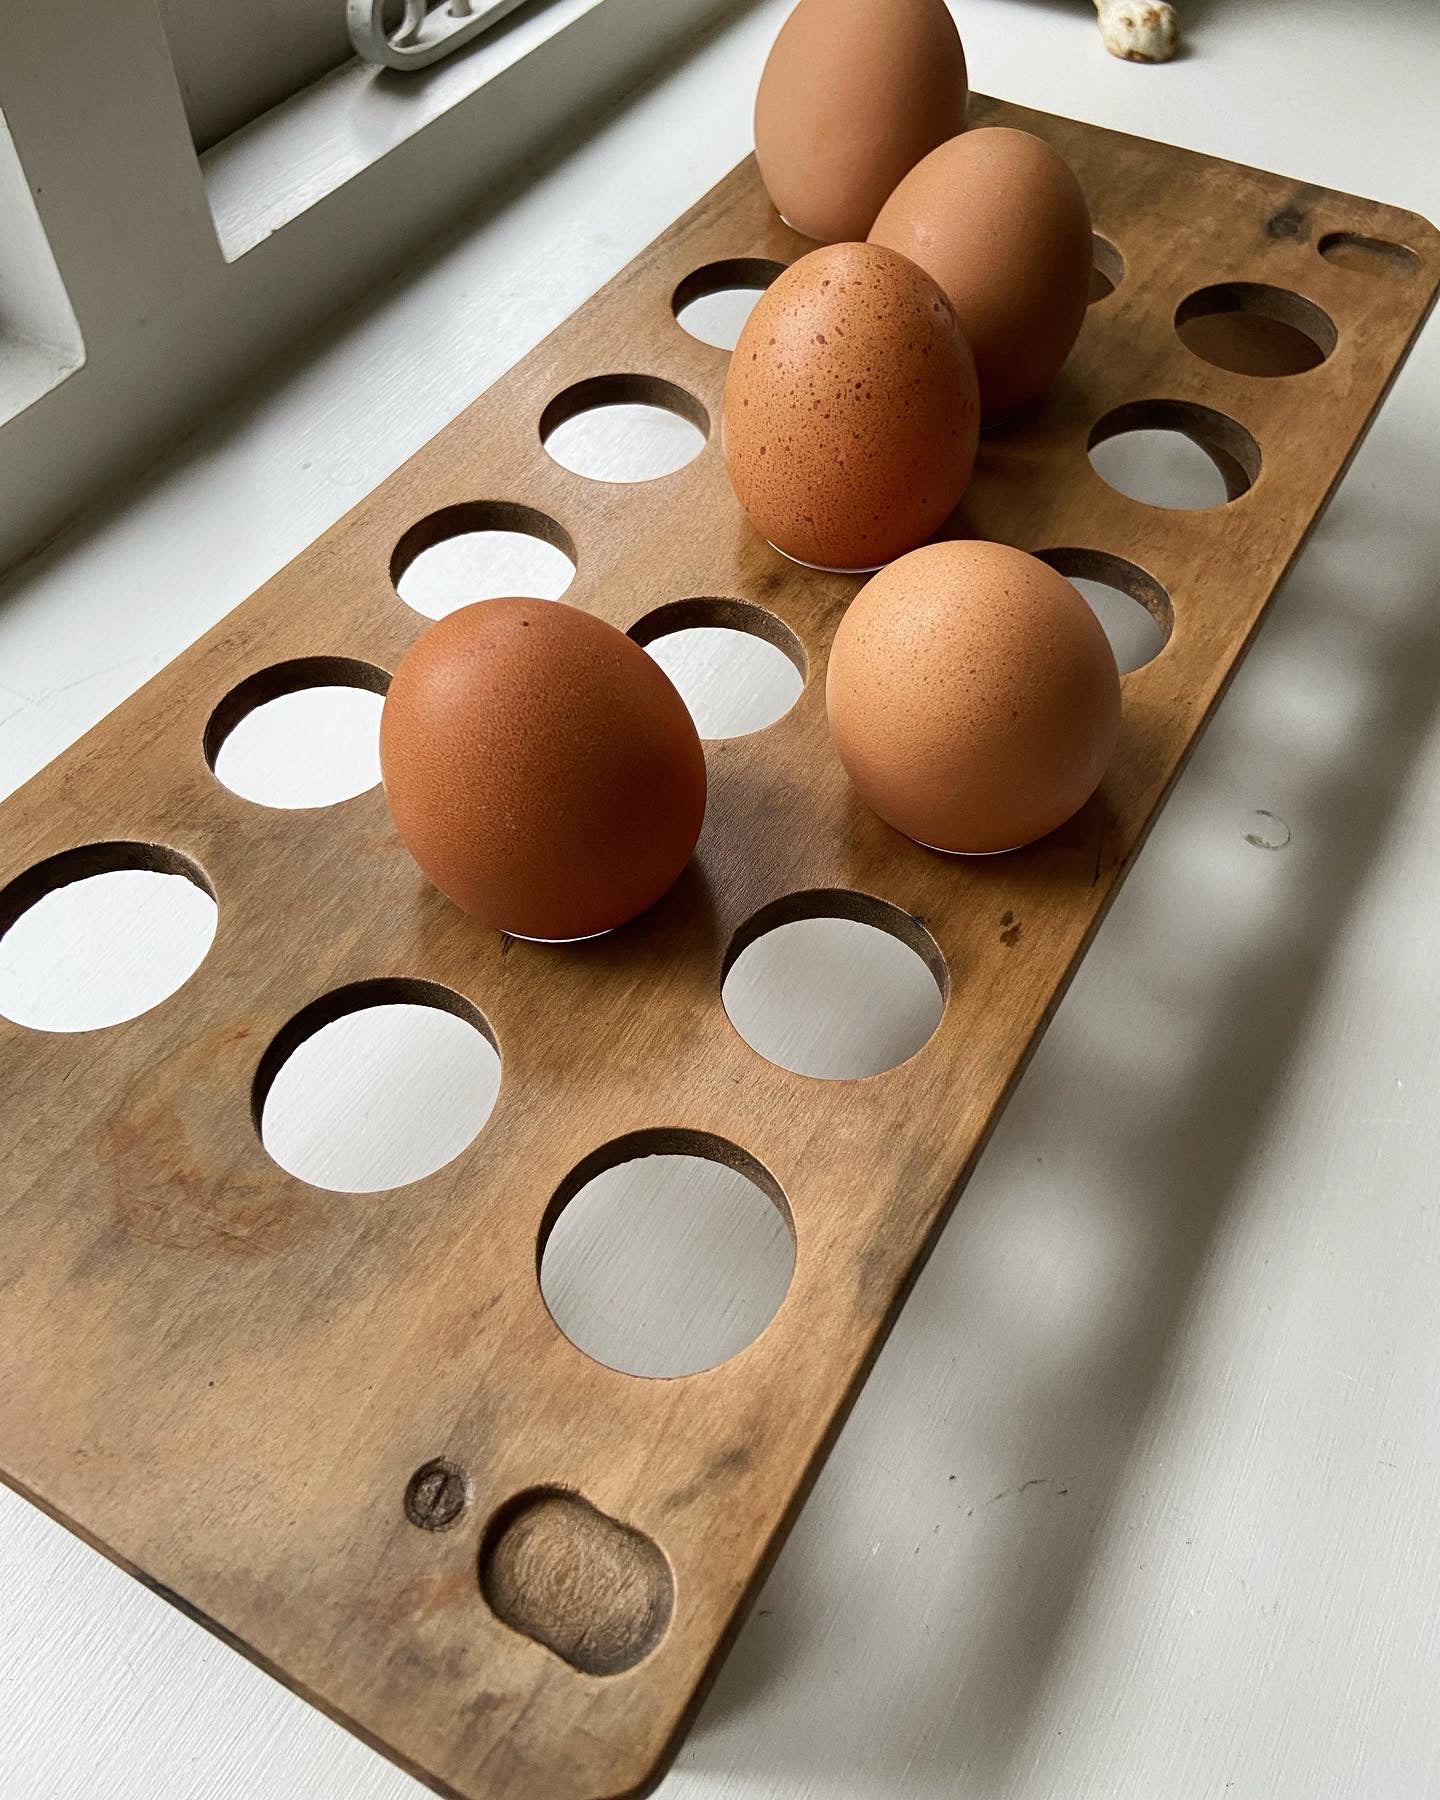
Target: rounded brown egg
{"x": 541, "y": 768}
{"x": 998, "y": 218}
{"x": 855, "y": 92}
{"x": 851, "y": 410}
{"x": 973, "y": 697}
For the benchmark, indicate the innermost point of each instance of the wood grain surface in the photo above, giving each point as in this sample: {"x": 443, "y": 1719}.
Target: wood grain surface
{"x": 261, "y": 1397}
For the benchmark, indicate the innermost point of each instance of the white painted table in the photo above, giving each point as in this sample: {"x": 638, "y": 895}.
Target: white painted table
{"x": 1141, "y": 1498}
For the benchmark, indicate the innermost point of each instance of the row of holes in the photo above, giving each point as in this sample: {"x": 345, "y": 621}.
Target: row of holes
{"x": 1165, "y": 453}
{"x": 96, "y": 937}
{"x": 599, "y": 428}
{"x": 660, "y": 1257}
{"x": 714, "y": 302}
{"x": 306, "y": 733}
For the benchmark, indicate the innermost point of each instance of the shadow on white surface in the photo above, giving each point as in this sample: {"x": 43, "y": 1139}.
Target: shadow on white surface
{"x": 1158, "y": 1103}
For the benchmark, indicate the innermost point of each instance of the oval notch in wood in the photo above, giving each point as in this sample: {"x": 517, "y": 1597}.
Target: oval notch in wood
{"x": 597, "y": 1593}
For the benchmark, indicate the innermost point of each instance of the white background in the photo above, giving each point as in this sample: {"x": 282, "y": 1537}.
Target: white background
{"x": 1141, "y": 1498}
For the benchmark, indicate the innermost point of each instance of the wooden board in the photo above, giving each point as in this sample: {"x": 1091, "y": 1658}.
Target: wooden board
{"x": 238, "y": 1386}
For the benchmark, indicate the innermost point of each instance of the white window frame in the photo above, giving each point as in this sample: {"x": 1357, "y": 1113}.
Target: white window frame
{"x": 174, "y": 276}
{"x": 236, "y": 59}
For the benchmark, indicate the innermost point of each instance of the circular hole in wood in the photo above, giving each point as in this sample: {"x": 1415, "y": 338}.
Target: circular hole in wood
{"x": 481, "y": 550}
{"x": 301, "y": 733}
{"x": 1174, "y": 454}
{"x": 1131, "y": 605}
{"x": 1107, "y": 268}
{"x": 666, "y": 1252}
{"x": 624, "y": 428}
{"x": 834, "y": 984}
{"x": 100, "y": 934}
{"x": 376, "y": 1085}
{"x": 436, "y": 1494}
{"x": 1252, "y": 329}
{"x": 1368, "y": 255}
{"x": 713, "y": 303}
{"x": 737, "y": 667}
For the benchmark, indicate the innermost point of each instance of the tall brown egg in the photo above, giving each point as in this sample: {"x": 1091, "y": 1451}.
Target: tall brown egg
{"x": 851, "y": 411}
{"x": 998, "y": 218}
{"x": 972, "y": 697}
{"x": 855, "y": 92}
{"x": 541, "y": 768}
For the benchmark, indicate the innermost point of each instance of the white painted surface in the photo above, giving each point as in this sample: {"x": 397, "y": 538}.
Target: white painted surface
{"x": 1134, "y": 635}
{"x": 625, "y": 443}
{"x": 1139, "y": 1502}
{"x": 235, "y": 62}
{"x": 667, "y": 1265}
{"x": 380, "y": 1098}
{"x": 832, "y": 998}
{"x": 288, "y": 159}
{"x": 39, "y": 339}
{"x": 186, "y": 274}
{"x": 719, "y": 318}
{"x": 315, "y": 747}
{"x": 484, "y": 565}
{"x": 99, "y": 951}
{"x": 733, "y": 682}
{"x": 1162, "y": 468}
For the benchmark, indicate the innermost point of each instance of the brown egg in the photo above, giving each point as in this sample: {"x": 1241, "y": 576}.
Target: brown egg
{"x": 851, "y": 410}
{"x": 973, "y": 697}
{"x": 998, "y": 218}
{"x": 541, "y": 768}
{"x": 855, "y": 92}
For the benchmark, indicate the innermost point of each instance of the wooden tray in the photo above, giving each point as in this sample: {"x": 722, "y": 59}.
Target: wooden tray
{"x": 228, "y": 1381}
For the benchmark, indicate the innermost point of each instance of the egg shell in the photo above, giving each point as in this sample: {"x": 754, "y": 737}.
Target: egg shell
{"x": 999, "y": 220}
{"x": 851, "y": 410}
{"x": 541, "y": 768}
{"x": 972, "y": 697}
{"x": 854, "y": 93}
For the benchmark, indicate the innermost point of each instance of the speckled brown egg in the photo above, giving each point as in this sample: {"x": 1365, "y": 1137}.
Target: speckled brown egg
{"x": 998, "y": 218}
{"x": 851, "y": 409}
{"x": 855, "y": 92}
{"x": 973, "y": 697}
{"x": 541, "y": 768}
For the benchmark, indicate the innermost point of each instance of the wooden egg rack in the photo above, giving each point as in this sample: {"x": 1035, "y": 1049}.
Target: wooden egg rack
{"x": 252, "y": 1393}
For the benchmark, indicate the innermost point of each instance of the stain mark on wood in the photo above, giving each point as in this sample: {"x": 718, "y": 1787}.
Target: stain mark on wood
{"x": 1289, "y": 222}
{"x": 173, "y": 1182}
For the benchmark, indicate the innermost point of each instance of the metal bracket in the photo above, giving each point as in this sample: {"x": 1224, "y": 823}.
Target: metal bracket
{"x": 424, "y": 33}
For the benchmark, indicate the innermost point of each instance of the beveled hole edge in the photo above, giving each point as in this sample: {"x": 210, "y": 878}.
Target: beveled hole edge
{"x": 597, "y": 391}
{"x": 841, "y": 903}
{"x": 712, "y": 612}
{"x": 1227, "y": 443}
{"x": 274, "y": 682}
{"x": 355, "y": 997}
{"x": 466, "y": 517}
{"x": 755, "y": 273}
{"x": 1077, "y": 562}
{"x": 81, "y": 862}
